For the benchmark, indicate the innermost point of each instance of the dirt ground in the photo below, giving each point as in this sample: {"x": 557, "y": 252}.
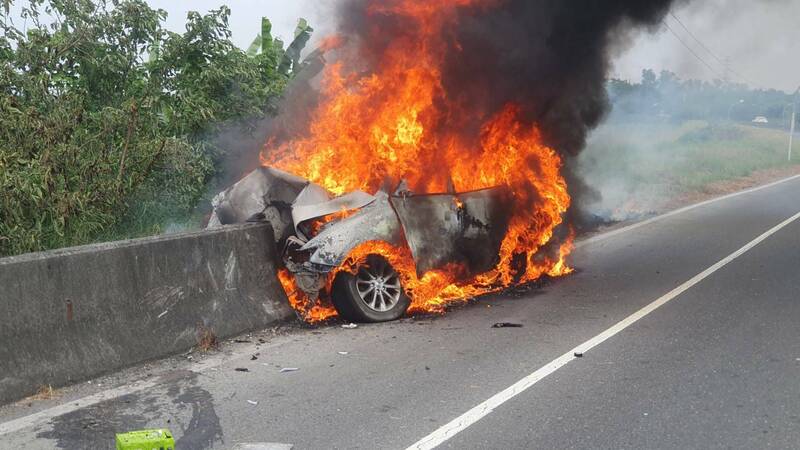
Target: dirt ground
{"x": 717, "y": 189}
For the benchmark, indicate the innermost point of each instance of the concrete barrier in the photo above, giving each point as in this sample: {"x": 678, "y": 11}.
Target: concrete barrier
{"x": 71, "y": 314}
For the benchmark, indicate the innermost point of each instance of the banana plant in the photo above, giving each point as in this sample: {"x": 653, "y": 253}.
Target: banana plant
{"x": 289, "y": 59}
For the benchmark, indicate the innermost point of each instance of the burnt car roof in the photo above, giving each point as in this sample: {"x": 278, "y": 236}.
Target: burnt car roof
{"x": 439, "y": 228}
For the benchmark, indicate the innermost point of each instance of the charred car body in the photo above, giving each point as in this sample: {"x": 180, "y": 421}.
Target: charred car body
{"x": 316, "y": 231}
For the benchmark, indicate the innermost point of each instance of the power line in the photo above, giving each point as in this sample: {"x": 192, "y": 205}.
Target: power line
{"x": 705, "y": 63}
{"x": 696, "y": 39}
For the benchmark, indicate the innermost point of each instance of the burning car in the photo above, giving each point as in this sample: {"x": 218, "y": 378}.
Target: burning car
{"x": 316, "y": 232}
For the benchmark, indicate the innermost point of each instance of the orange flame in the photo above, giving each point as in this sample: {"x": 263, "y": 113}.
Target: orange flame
{"x": 299, "y": 301}
{"x": 398, "y": 122}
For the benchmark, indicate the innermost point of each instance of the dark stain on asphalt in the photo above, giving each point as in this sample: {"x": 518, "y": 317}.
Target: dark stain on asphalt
{"x": 95, "y": 427}
{"x": 204, "y": 428}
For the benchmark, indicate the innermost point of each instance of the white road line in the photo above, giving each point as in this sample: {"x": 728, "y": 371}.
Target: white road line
{"x": 475, "y": 414}
{"x": 603, "y": 236}
{"x": 47, "y": 414}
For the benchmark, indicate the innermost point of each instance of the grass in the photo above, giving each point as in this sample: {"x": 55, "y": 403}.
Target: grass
{"x": 45, "y": 392}
{"x": 647, "y": 163}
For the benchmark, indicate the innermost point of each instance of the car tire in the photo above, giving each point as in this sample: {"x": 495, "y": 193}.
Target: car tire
{"x": 373, "y": 294}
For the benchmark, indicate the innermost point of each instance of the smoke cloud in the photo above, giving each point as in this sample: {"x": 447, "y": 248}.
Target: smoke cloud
{"x": 551, "y": 57}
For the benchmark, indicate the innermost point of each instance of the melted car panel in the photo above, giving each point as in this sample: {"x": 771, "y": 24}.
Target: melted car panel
{"x": 440, "y": 229}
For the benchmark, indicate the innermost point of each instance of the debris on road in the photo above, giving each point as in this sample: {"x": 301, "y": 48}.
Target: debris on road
{"x": 289, "y": 369}
{"x": 254, "y": 357}
{"x": 507, "y": 325}
{"x": 242, "y": 369}
{"x": 242, "y": 341}
{"x": 145, "y": 439}
{"x": 350, "y": 326}
{"x": 252, "y": 402}
{"x": 344, "y": 353}
{"x": 578, "y": 354}
{"x": 263, "y": 446}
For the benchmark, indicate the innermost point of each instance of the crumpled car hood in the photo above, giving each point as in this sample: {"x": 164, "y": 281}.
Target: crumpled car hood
{"x": 465, "y": 228}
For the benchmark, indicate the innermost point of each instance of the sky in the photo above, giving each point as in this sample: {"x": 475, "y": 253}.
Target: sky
{"x": 755, "y": 42}
{"x": 246, "y": 16}
{"x": 759, "y": 41}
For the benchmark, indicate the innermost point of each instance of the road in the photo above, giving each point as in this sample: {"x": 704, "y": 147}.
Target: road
{"x": 715, "y": 365}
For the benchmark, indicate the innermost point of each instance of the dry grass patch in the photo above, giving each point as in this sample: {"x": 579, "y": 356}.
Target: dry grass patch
{"x": 206, "y": 339}
{"x": 45, "y": 392}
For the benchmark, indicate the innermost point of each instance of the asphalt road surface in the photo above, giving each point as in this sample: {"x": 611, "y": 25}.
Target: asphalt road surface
{"x": 712, "y": 361}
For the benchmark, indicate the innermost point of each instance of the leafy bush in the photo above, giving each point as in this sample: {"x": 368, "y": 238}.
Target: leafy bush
{"x": 106, "y": 118}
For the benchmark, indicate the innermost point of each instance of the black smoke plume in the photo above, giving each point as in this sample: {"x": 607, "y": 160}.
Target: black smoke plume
{"x": 551, "y": 57}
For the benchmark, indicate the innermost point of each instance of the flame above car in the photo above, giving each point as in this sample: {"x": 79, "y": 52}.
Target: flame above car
{"x": 397, "y": 122}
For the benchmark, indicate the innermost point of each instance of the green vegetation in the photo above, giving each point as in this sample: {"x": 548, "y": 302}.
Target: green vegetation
{"x": 648, "y": 161}
{"x": 667, "y": 97}
{"x": 667, "y": 137}
{"x": 107, "y": 119}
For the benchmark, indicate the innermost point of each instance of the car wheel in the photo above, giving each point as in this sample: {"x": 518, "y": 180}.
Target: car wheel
{"x": 373, "y": 294}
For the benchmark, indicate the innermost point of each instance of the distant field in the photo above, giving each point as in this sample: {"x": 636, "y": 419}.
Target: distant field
{"x": 641, "y": 167}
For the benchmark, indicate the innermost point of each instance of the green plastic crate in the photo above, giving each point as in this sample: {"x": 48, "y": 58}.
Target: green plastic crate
{"x": 146, "y": 440}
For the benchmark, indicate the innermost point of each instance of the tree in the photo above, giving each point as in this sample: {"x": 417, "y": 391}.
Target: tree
{"x": 106, "y": 118}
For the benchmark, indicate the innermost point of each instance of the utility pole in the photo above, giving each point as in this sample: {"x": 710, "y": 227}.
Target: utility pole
{"x": 791, "y": 130}
{"x": 794, "y": 120}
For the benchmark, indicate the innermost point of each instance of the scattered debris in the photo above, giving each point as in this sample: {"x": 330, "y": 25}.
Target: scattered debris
{"x": 242, "y": 341}
{"x": 350, "y": 326}
{"x": 344, "y": 353}
{"x": 163, "y": 314}
{"x": 253, "y": 358}
{"x": 427, "y": 368}
{"x": 206, "y": 339}
{"x": 262, "y": 341}
{"x": 252, "y": 402}
{"x": 289, "y": 369}
{"x": 578, "y": 354}
{"x": 507, "y": 325}
{"x": 145, "y": 439}
{"x": 242, "y": 369}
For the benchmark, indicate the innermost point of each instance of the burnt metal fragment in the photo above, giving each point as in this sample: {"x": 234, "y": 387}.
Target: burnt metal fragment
{"x": 507, "y": 325}
{"x": 465, "y": 229}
